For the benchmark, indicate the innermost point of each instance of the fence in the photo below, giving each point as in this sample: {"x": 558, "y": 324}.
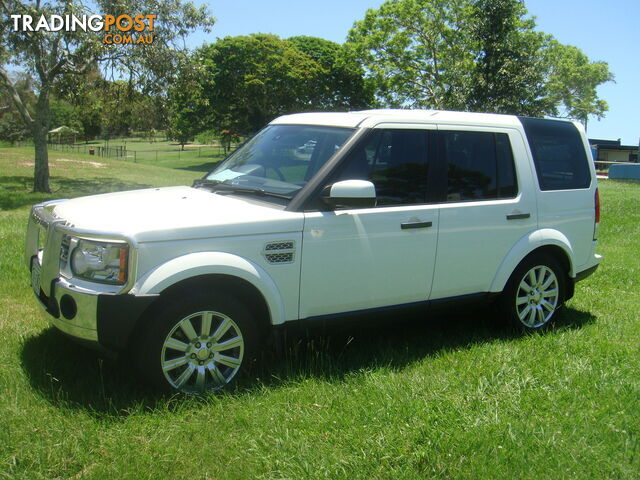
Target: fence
{"x": 602, "y": 166}
{"x": 109, "y": 152}
{"x": 171, "y": 152}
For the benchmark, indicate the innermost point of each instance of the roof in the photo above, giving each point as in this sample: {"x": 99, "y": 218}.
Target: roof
{"x": 611, "y": 145}
{"x": 63, "y": 129}
{"x": 371, "y": 118}
{"x": 630, "y": 148}
{"x": 600, "y": 142}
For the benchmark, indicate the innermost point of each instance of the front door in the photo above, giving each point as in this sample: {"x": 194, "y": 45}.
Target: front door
{"x": 365, "y": 258}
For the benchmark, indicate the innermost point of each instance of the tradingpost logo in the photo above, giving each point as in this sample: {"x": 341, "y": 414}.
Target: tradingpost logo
{"x": 118, "y": 30}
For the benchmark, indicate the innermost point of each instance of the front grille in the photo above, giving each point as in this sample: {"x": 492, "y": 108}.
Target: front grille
{"x": 64, "y": 249}
{"x": 279, "y": 252}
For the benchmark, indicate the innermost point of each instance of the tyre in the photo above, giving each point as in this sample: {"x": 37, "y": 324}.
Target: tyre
{"x": 534, "y": 293}
{"x": 197, "y": 343}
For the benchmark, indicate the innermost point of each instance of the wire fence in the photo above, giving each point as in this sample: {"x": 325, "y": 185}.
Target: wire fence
{"x": 124, "y": 153}
{"x": 99, "y": 150}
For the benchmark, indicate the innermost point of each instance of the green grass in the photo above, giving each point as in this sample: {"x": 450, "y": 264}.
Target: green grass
{"x": 457, "y": 397}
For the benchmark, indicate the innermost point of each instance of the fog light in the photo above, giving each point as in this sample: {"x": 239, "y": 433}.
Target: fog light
{"x": 68, "y": 307}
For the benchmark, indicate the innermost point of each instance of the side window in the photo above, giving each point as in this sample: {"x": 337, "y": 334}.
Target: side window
{"x": 479, "y": 166}
{"x": 507, "y": 181}
{"x": 558, "y": 154}
{"x": 395, "y": 161}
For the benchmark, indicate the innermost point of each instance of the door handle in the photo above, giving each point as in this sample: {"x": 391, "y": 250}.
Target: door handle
{"x": 408, "y": 225}
{"x": 518, "y": 216}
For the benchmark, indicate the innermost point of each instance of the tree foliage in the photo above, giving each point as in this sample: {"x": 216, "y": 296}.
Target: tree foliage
{"x": 12, "y": 128}
{"x": 187, "y": 104}
{"x": 248, "y": 80}
{"x": 509, "y": 72}
{"x": 473, "y": 55}
{"x": 573, "y": 82}
{"x": 244, "y": 82}
{"x": 110, "y": 108}
{"x": 340, "y": 84}
{"x": 413, "y": 51}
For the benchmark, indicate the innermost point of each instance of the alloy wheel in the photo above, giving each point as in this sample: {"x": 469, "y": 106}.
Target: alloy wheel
{"x": 537, "y": 296}
{"x": 202, "y": 352}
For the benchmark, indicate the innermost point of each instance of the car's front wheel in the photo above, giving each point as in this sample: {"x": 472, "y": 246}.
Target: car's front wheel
{"x": 534, "y": 292}
{"x": 198, "y": 343}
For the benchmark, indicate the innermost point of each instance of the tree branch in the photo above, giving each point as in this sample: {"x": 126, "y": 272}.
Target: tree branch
{"x": 15, "y": 97}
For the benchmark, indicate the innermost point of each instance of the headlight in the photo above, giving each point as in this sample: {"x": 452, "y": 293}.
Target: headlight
{"x": 100, "y": 261}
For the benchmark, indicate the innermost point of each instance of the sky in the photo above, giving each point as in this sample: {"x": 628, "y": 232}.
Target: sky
{"x": 606, "y": 31}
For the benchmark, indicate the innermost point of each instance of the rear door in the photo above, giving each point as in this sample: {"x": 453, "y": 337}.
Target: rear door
{"x": 488, "y": 205}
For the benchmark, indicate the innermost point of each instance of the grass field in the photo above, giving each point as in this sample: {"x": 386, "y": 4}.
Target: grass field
{"x": 456, "y": 397}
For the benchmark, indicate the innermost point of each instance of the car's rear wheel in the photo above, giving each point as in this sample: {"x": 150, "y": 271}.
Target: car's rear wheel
{"x": 198, "y": 343}
{"x": 534, "y": 292}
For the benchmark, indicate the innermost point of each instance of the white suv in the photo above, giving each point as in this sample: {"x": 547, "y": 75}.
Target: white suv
{"x": 322, "y": 215}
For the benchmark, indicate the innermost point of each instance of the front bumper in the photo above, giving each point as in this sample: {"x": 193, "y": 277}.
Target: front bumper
{"x": 102, "y": 321}
{"x": 74, "y": 313}
{"x": 104, "y": 316}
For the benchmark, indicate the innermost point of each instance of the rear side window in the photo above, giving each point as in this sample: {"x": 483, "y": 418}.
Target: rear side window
{"x": 558, "y": 154}
{"x": 479, "y": 165}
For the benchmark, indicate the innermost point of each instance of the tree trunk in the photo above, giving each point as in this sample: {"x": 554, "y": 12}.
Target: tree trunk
{"x": 40, "y": 132}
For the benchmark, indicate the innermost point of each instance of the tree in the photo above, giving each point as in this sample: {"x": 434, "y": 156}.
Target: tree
{"x": 246, "y": 81}
{"x": 509, "y": 71}
{"x": 573, "y": 82}
{"x": 111, "y": 107}
{"x": 415, "y": 52}
{"x": 187, "y": 104}
{"x": 12, "y": 128}
{"x": 64, "y": 114}
{"x": 476, "y": 55}
{"x": 249, "y": 80}
{"x": 52, "y": 55}
{"x": 87, "y": 92}
{"x": 340, "y": 84}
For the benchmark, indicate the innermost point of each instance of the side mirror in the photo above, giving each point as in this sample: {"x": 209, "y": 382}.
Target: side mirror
{"x": 350, "y": 193}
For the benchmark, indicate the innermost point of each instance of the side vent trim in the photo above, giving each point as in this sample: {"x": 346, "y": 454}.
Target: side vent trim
{"x": 280, "y": 252}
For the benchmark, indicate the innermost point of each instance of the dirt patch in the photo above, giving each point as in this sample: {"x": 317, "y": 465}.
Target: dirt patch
{"x": 82, "y": 162}
{"x": 52, "y": 163}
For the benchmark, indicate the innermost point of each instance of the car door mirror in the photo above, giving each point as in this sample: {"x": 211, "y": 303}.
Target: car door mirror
{"x": 350, "y": 194}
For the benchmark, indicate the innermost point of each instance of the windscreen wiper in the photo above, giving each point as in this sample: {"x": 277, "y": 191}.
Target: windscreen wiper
{"x": 221, "y": 187}
{"x": 205, "y": 182}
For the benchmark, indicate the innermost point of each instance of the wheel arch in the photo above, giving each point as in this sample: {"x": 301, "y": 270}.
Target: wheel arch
{"x": 222, "y": 271}
{"x": 549, "y": 241}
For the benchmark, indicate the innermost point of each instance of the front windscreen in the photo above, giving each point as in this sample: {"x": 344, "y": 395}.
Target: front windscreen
{"x": 281, "y": 159}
